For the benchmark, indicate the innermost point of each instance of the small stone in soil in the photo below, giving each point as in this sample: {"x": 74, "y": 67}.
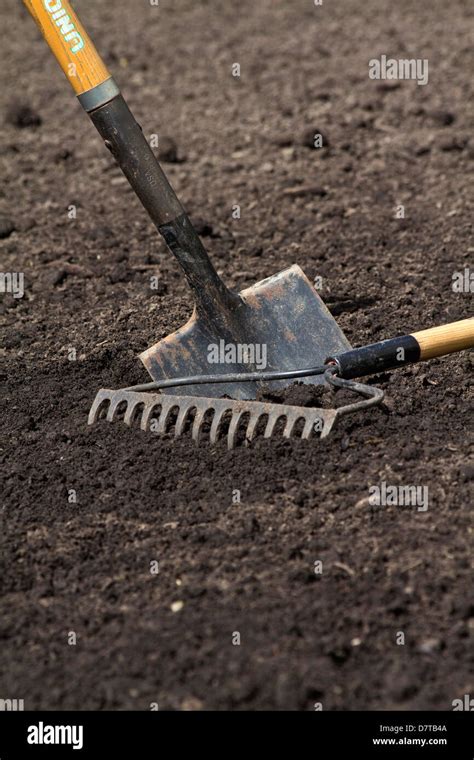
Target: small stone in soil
{"x": 387, "y": 86}
{"x": 57, "y": 277}
{"x": 168, "y": 150}
{"x": 442, "y": 118}
{"x": 7, "y": 226}
{"x": 466, "y": 472}
{"x": 284, "y": 141}
{"x": 453, "y": 144}
{"x": 469, "y": 361}
{"x": 118, "y": 254}
{"x": 202, "y": 227}
{"x": 120, "y": 273}
{"x": 63, "y": 155}
{"x": 12, "y": 339}
{"x": 429, "y": 646}
{"x": 422, "y": 150}
{"x": 22, "y": 115}
{"x": 301, "y": 191}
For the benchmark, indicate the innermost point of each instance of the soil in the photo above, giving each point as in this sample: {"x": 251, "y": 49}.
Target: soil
{"x": 84, "y": 567}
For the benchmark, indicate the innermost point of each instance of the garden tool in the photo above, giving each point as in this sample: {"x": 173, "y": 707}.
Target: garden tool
{"x": 282, "y": 317}
{"x": 241, "y": 419}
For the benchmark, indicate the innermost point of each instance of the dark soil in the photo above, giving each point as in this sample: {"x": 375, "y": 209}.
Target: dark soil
{"x": 85, "y": 567}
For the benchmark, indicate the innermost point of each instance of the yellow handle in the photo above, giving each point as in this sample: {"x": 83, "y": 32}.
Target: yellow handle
{"x": 445, "y": 339}
{"x": 69, "y": 42}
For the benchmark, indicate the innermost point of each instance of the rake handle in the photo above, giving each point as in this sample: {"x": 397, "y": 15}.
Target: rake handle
{"x": 101, "y": 98}
{"x": 408, "y": 349}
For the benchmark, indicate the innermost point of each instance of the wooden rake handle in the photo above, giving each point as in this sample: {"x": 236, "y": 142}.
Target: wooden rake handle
{"x": 408, "y": 349}
{"x": 445, "y": 339}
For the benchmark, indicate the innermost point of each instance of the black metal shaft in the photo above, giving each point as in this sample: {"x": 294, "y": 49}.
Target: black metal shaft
{"x": 124, "y": 138}
{"x": 378, "y": 357}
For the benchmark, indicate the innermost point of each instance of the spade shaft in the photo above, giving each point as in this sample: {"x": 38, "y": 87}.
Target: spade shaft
{"x": 125, "y": 140}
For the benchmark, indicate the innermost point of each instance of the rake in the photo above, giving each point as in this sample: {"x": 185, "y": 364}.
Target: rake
{"x": 236, "y": 419}
{"x": 241, "y": 420}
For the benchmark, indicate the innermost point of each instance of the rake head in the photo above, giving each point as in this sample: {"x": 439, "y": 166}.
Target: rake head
{"x": 159, "y": 413}
{"x": 214, "y": 418}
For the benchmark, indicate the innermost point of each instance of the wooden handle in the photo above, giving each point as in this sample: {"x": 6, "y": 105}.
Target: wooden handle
{"x": 70, "y": 43}
{"x": 407, "y": 349}
{"x": 445, "y": 339}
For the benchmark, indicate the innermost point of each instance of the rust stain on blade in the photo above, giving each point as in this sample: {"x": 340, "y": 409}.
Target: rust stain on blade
{"x": 291, "y": 337}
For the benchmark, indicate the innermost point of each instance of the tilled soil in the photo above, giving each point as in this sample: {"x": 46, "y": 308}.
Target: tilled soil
{"x": 228, "y": 568}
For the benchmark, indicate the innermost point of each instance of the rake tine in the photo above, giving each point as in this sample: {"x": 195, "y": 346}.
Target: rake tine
{"x": 112, "y": 410}
{"x": 147, "y": 412}
{"x": 214, "y": 432}
{"x": 183, "y": 413}
{"x": 272, "y": 421}
{"x": 200, "y": 412}
{"x": 319, "y": 424}
{"x": 291, "y": 420}
{"x": 253, "y": 422}
{"x": 234, "y": 423}
{"x": 130, "y": 413}
{"x": 328, "y": 422}
{"x": 165, "y": 413}
{"x": 101, "y": 396}
{"x": 308, "y": 427}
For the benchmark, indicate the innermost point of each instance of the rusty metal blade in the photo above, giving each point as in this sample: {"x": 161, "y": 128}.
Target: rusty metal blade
{"x": 281, "y": 320}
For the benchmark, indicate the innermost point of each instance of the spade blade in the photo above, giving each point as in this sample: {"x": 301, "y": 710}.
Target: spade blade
{"x": 281, "y": 323}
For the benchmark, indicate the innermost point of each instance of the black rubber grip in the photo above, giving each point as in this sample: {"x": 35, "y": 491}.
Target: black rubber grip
{"x": 377, "y": 357}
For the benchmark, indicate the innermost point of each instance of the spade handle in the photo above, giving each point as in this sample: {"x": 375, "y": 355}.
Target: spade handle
{"x": 70, "y": 43}
{"x": 101, "y": 98}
